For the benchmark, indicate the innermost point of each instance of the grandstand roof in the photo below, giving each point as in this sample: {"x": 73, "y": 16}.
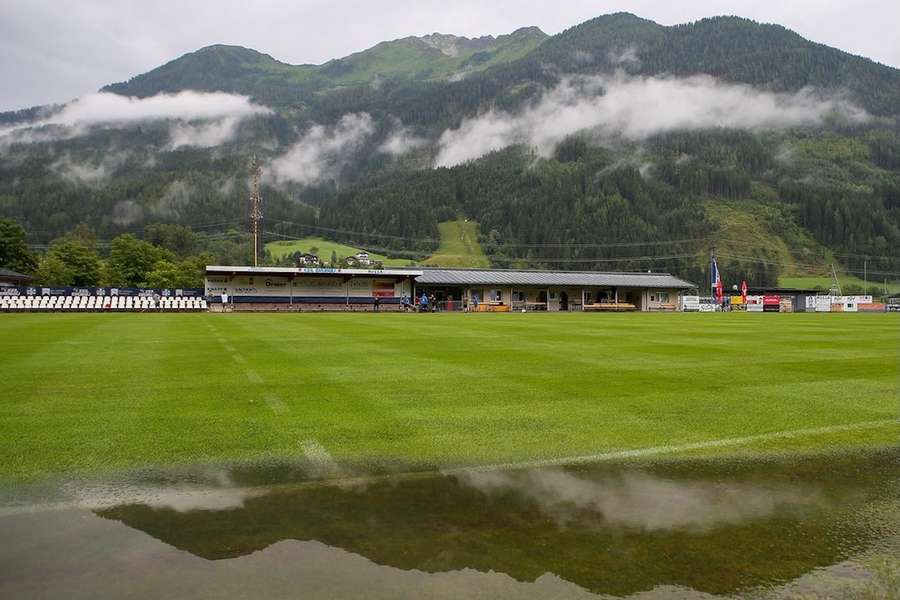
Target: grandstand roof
{"x": 7, "y": 275}
{"x": 550, "y": 278}
{"x": 318, "y": 271}
{"x": 441, "y": 276}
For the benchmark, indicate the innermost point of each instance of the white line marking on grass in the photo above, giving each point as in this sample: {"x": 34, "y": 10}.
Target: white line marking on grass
{"x": 659, "y": 450}
{"x": 253, "y": 376}
{"x": 317, "y": 454}
{"x": 276, "y": 404}
{"x": 322, "y": 462}
{"x": 238, "y": 358}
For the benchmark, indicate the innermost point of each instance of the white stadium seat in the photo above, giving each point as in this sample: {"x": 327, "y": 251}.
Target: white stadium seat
{"x": 64, "y": 303}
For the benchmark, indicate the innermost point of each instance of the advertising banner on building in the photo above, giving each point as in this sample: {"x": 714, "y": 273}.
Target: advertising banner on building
{"x": 32, "y": 290}
{"x": 283, "y": 288}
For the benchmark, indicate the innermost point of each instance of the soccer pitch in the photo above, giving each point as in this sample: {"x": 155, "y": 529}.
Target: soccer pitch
{"x": 93, "y": 393}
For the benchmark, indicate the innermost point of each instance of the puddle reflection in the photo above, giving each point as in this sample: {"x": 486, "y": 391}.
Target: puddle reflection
{"x": 699, "y": 527}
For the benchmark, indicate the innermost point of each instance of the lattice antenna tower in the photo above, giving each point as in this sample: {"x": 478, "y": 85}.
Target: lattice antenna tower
{"x": 255, "y": 207}
{"x": 835, "y": 286}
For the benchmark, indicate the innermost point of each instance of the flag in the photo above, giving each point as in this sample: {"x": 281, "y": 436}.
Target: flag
{"x": 715, "y": 280}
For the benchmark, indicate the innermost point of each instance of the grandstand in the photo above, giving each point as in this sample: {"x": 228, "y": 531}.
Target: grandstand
{"x": 104, "y": 303}
{"x": 479, "y": 290}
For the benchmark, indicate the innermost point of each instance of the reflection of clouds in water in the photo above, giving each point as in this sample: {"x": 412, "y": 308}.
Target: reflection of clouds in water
{"x": 643, "y": 501}
{"x": 187, "y": 500}
{"x": 212, "y": 489}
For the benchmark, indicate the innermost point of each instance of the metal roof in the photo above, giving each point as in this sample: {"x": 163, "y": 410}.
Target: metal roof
{"x": 440, "y": 276}
{"x": 550, "y": 278}
{"x": 318, "y": 271}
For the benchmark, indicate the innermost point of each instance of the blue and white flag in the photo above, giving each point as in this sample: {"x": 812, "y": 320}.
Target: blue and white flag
{"x": 715, "y": 279}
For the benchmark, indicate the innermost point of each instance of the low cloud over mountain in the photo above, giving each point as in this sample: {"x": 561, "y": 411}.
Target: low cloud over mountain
{"x": 636, "y": 107}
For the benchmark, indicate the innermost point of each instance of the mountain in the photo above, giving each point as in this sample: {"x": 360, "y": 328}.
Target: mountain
{"x": 234, "y": 69}
{"x": 618, "y": 143}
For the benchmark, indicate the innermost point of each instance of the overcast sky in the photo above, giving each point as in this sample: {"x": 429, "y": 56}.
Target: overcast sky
{"x": 56, "y": 50}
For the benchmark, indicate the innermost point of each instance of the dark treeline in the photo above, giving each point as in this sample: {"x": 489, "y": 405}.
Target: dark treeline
{"x": 166, "y": 256}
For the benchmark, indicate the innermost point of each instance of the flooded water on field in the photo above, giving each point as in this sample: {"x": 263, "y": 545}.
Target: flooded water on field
{"x": 816, "y": 527}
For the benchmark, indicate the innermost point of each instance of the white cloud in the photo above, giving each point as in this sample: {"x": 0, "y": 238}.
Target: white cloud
{"x": 87, "y": 172}
{"x": 321, "y": 152}
{"x": 634, "y": 108}
{"x": 401, "y": 141}
{"x": 177, "y": 197}
{"x": 126, "y": 212}
{"x": 111, "y": 110}
{"x": 104, "y": 107}
{"x": 204, "y": 134}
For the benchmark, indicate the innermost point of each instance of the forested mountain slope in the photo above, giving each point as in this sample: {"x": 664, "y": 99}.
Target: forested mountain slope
{"x": 616, "y": 144}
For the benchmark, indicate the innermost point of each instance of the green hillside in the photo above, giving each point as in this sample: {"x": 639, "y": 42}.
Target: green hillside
{"x": 280, "y": 249}
{"x": 459, "y": 246}
{"x": 848, "y": 283}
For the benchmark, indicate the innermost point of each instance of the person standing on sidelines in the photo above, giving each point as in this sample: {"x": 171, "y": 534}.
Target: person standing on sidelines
{"x": 377, "y": 302}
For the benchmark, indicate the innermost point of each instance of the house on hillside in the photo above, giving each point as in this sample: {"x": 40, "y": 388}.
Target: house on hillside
{"x": 362, "y": 258}
{"x": 308, "y": 260}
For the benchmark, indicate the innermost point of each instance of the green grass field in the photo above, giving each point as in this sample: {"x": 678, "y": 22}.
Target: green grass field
{"x": 91, "y": 393}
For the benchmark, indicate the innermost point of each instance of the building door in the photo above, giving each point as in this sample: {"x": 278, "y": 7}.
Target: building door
{"x": 563, "y": 301}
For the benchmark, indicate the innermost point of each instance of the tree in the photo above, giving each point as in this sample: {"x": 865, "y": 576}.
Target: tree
{"x": 193, "y": 269}
{"x": 14, "y": 252}
{"x": 52, "y": 270}
{"x": 165, "y": 274}
{"x": 131, "y": 260}
{"x": 334, "y": 258}
{"x": 80, "y": 259}
{"x": 177, "y": 238}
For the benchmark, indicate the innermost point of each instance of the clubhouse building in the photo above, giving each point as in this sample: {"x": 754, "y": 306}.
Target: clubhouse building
{"x": 481, "y": 290}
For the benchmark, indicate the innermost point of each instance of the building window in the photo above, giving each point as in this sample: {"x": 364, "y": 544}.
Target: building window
{"x": 664, "y": 297}
{"x": 652, "y": 297}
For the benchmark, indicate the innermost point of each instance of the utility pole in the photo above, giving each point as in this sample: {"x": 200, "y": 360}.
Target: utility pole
{"x": 255, "y": 207}
{"x": 866, "y": 276}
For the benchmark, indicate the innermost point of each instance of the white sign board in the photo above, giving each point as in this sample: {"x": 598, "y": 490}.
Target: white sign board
{"x": 690, "y": 303}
